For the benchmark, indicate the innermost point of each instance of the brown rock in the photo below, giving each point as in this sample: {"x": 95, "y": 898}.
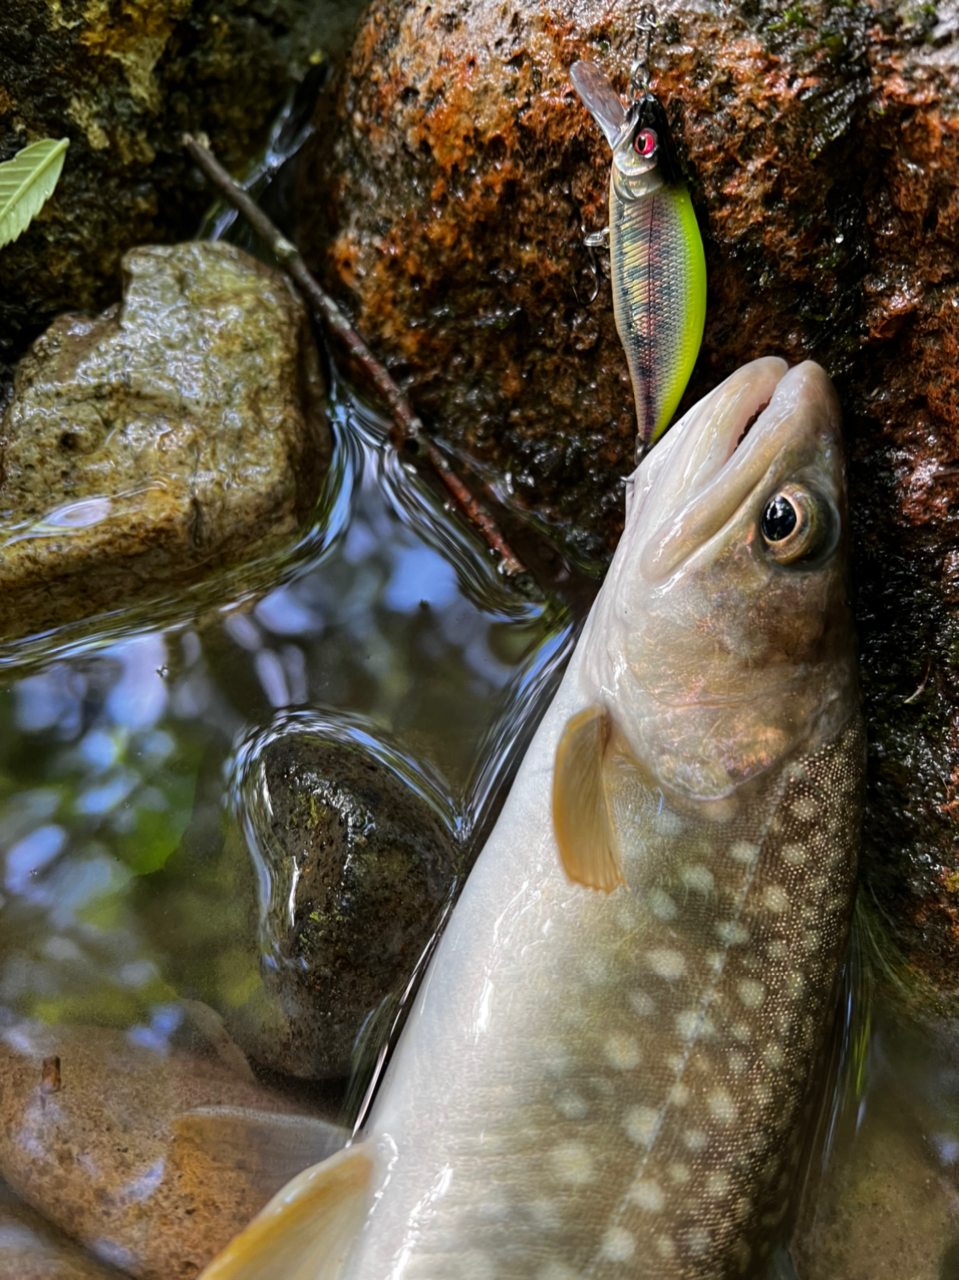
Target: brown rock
{"x": 130, "y": 1154}
{"x": 123, "y": 79}
{"x": 31, "y": 1249}
{"x": 445, "y": 206}
{"x": 145, "y": 447}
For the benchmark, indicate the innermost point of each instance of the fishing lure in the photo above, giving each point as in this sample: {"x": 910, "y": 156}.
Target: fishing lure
{"x": 657, "y": 264}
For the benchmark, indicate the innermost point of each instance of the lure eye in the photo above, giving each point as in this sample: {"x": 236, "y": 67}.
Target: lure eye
{"x": 645, "y": 143}
{"x": 791, "y": 524}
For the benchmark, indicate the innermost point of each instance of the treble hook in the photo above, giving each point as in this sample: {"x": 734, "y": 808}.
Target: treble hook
{"x": 639, "y": 72}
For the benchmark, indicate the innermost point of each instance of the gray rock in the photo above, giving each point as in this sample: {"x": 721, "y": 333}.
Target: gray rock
{"x": 374, "y": 865}
{"x": 162, "y": 439}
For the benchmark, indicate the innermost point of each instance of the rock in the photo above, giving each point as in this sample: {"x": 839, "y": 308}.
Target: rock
{"x": 155, "y": 1158}
{"x": 31, "y": 1249}
{"x": 123, "y": 82}
{"x": 374, "y": 867}
{"x": 316, "y": 906}
{"x": 145, "y": 447}
{"x": 443, "y": 203}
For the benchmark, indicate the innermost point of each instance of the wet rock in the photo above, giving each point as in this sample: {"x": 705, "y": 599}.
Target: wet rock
{"x": 123, "y": 81}
{"x": 31, "y": 1249}
{"x": 308, "y": 908}
{"x": 444, "y": 206}
{"x": 153, "y": 1157}
{"x": 164, "y": 438}
{"x": 360, "y": 867}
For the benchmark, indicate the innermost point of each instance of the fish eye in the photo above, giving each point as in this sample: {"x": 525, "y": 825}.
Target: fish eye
{"x": 645, "y": 143}
{"x": 791, "y": 524}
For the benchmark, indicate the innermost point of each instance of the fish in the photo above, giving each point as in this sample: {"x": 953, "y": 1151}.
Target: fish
{"x": 611, "y": 1067}
{"x": 657, "y": 261}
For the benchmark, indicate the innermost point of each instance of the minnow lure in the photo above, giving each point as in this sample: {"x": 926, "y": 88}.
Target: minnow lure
{"x": 657, "y": 262}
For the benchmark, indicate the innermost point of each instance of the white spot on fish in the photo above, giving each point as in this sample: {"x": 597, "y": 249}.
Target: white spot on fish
{"x": 751, "y": 992}
{"x": 805, "y": 808}
{"x": 763, "y": 1093}
{"x": 662, "y": 905}
{"x": 722, "y": 1106}
{"x": 794, "y": 854}
{"x": 699, "y": 878}
{"x": 666, "y": 962}
{"x": 668, "y": 823}
{"x": 571, "y": 1104}
{"x": 572, "y": 1163}
{"x": 666, "y": 1246}
{"x": 717, "y": 1184}
{"x": 714, "y": 960}
{"x": 775, "y": 898}
{"x": 687, "y": 1023}
{"x": 642, "y": 1003}
{"x": 618, "y": 1245}
{"x": 796, "y": 986}
{"x": 594, "y": 969}
{"x": 774, "y": 1056}
{"x": 647, "y": 1194}
{"x": 698, "y": 1241}
{"x": 679, "y": 1173}
{"x": 737, "y": 1062}
{"x": 622, "y": 1051}
{"x": 731, "y": 932}
{"x": 743, "y": 851}
{"x": 679, "y": 1094}
{"x": 695, "y": 1139}
{"x": 742, "y": 1032}
{"x": 811, "y": 941}
{"x": 640, "y": 1124}
{"x": 777, "y": 949}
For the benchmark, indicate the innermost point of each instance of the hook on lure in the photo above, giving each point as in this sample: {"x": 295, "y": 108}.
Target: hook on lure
{"x": 657, "y": 263}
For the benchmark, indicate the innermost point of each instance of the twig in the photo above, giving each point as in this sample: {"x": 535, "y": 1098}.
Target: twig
{"x": 411, "y": 428}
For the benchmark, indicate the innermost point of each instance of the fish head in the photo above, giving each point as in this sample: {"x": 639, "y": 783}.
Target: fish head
{"x": 723, "y": 640}
{"x": 643, "y": 157}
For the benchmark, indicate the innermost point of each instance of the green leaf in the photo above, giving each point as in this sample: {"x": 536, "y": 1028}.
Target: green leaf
{"x": 26, "y": 183}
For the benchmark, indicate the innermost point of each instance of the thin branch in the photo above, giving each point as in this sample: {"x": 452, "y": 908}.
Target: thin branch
{"x": 411, "y": 428}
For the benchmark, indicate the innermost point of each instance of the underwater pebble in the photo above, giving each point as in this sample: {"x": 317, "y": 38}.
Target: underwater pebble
{"x": 153, "y": 1159}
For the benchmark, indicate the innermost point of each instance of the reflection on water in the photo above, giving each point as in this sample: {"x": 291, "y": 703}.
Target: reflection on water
{"x": 396, "y": 619}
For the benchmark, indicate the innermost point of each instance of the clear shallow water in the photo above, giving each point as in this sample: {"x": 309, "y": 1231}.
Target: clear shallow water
{"x": 390, "y": 622}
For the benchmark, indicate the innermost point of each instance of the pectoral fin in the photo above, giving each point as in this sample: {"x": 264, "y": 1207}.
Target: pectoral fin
{"x": 307, "y": 1229}
{"x": 582, "y": 819}
{"x": 273, "y": 1148}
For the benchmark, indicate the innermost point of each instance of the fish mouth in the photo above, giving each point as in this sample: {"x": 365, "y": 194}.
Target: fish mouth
{"x": 763, "y": 419}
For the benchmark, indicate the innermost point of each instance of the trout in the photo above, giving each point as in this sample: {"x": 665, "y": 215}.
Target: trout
{"x": 610, "y": 1070}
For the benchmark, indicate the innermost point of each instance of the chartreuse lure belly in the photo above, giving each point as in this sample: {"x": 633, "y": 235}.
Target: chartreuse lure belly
{"x": 657, "y": 263}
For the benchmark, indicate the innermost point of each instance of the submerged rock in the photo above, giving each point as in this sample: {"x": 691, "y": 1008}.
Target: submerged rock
{"x": 445, "y": 205}
{"x": 315, "y": 906}
{"x": 162, "y": 439}
{"x": 32, "y": 1249}
{"x": 360, "y": 868}
{"x": 152, "y": 1157}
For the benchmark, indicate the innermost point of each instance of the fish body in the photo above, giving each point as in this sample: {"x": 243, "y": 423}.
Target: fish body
{"x": 609, "y": 1085}
{"x": 657, "y": 263}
